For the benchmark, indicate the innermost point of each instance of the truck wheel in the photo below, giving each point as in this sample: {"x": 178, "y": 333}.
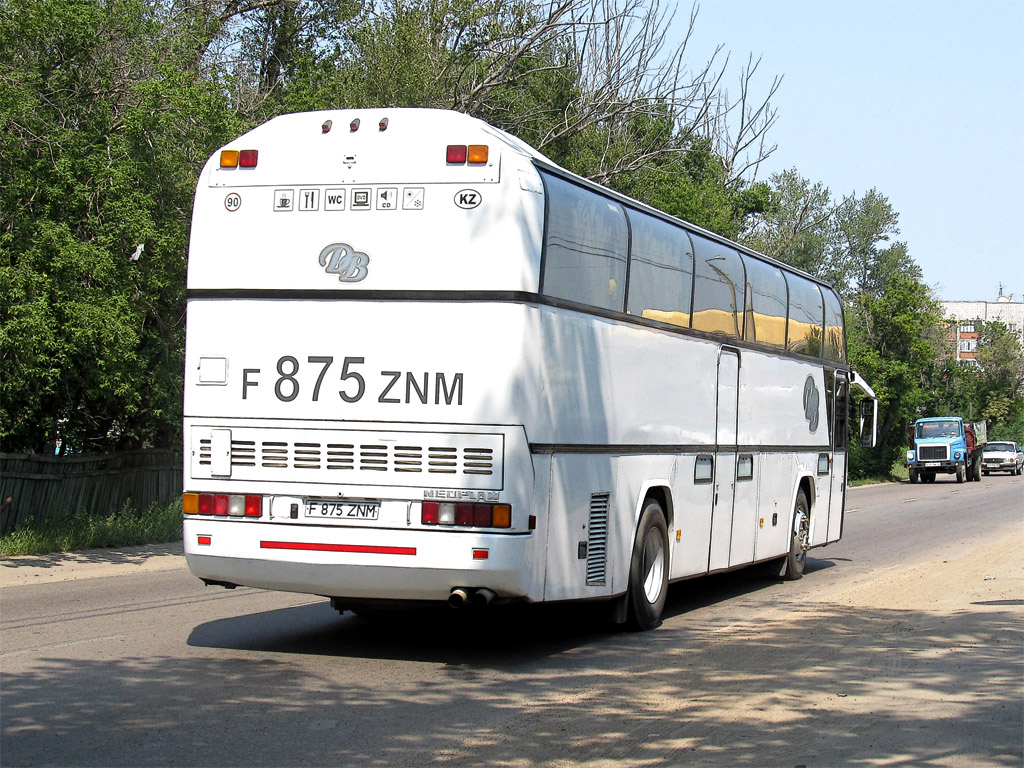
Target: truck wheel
{"x": 648, "y": 569}
{"x": 913, "y": 475}
{"x": 960, "y": 474}
{"x": 969, "y": 470}
{"x": 928, "y": 477}
{"x": 976, "y": 466}
{"x": 799, "y": 543}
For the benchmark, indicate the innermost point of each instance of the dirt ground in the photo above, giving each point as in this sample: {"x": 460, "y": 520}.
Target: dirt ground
{"x": 908, "y": 665}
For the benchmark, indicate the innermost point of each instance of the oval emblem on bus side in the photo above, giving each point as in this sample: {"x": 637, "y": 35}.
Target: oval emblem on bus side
{"x": 467, "y": 198}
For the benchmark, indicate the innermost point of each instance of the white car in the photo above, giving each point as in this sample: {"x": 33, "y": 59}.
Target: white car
{"x": 1002, "y": 456}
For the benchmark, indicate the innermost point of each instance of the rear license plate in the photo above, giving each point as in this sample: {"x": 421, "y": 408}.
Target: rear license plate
{"x": 933, "y": 464}
{"x": 324, "y": 509}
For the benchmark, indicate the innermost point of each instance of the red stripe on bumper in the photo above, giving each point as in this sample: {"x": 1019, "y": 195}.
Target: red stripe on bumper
{"x": 315, "y": 547}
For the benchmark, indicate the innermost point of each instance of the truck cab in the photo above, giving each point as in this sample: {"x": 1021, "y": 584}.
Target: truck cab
{"x": 947, "y": 445}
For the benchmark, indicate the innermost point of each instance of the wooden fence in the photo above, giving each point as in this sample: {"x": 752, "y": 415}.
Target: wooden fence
{"x": 52, "y": 487}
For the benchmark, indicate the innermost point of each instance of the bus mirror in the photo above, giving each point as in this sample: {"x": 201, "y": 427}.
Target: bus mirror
{"x": 869, "y": 422}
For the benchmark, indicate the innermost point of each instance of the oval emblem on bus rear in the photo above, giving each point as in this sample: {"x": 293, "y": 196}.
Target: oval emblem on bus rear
{"x": 467, "y": 198}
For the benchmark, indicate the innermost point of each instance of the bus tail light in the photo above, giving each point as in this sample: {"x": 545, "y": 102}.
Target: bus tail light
{"x": 466, "y": 515}
{"x": 229, "y": 158}
{"x": 248, "y": 158}
{"x": 222, "y": 505}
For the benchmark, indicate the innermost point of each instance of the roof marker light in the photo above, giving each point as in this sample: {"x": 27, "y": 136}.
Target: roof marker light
{"x": 326, "y": 127}
{"x": 456, "y": 154}
{"x": 478, "y": 154}
{"x": 354, "y": 125}
{"x": 383, "y": 124}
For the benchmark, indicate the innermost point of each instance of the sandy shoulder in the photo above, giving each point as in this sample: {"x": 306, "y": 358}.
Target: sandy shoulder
{"x": 90, "y": 563}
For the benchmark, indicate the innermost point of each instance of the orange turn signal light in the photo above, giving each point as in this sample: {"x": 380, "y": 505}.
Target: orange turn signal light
{"x": 229, "y": 158}
{"x": 477, "y": 154}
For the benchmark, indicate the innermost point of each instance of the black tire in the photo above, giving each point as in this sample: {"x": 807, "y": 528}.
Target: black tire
{"x": 799, "y": 540}
{"x": 913, "y": 475}
{"x": 648, "y": 569}
{"x": 961, "y": 473}
{"x": 976, "y": 466}
{"x": 969, "y": 471}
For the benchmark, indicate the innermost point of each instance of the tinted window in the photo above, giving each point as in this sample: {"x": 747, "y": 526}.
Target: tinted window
{"x": 806, "y": 315}
{"x": 718, "y": 287}
{"x": 660, "y": 270}
{"x": 765, "y": 318}
{"x": 585, "y": 250}
{"x": 835, "y": 341}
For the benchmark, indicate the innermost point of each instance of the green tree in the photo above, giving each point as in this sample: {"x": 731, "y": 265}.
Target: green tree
{"x": 102, "y": 136}
{"x": 893, "y": 341}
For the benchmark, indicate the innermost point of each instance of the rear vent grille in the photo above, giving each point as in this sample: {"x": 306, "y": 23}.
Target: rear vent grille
{"x": 597, "y": 539}
{"x": 933, "y": 452}
{"x": 415, "y": 459}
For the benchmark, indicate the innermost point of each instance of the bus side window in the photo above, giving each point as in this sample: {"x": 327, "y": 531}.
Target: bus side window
{"x": 765, "y": 319}
{"x": 806, "y": 316}
{"x": 586, "y": 245}
{"x": 718, "y": 288}
{"x": 835, "y": 339}
{"x": 660, "y": 270}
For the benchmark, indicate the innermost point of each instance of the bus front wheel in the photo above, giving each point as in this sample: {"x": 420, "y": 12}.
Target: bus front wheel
{"x": 648, "y": 568}
{"x": 800, "y": 539}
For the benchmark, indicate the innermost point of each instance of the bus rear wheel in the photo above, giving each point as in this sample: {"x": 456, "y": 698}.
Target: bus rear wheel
{"x": 648, "y": 569}
{"x": 800, "y": 539}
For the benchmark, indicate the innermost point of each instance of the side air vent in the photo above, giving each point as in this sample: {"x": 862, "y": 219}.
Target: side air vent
{"x": 597, "y": 540}
{"x": 205, "y": 452}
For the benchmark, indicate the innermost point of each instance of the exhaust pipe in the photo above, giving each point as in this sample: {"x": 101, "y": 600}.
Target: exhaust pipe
{"x": 482, "y": 597}
{"x": 458, "y": 597}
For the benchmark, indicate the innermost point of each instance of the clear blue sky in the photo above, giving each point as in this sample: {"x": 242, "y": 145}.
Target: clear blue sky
{"x": 921, "y": 99}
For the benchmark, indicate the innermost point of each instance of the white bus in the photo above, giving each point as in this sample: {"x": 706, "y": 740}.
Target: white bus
{"x": 424, "y": 363}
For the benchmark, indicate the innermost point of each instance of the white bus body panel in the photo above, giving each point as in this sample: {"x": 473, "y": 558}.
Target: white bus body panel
{"x": 583, "y": 414}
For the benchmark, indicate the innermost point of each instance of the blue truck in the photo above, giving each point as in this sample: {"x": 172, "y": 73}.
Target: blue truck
{"x": 948, "y": 445}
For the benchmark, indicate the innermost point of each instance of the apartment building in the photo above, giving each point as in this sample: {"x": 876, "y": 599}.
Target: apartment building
{"x": 967, "y": 314}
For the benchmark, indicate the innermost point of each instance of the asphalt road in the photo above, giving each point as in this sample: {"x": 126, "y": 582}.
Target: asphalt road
{"x": 153, "y": 668}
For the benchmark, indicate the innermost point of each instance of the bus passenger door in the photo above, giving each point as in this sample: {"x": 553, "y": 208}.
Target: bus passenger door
{"x": 725, "y": 459}
{"x": 840, "y": 441}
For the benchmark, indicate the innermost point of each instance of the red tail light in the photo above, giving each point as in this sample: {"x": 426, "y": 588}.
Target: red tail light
{"x": 466, "y": 514}
{"x": 482, "y": 515}
{"x": 248, "y": 158}
{"x": 429, "y": 514}
{"x": 220, "y": 504}
{"x": 253, "y": 506}
{"x": 457, "y": 153}
{"x": 205, "y": 504}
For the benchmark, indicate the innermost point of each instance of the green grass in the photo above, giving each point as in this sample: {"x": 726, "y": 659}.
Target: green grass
{"x": 896, "y": 474}
{"x": 94, "y": 531}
